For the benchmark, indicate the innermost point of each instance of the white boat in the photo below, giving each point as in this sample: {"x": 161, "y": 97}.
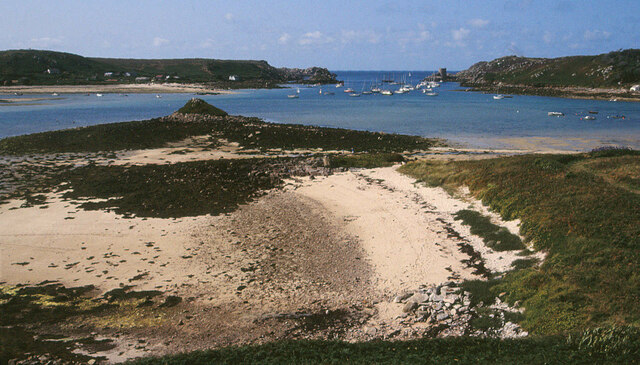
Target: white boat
{"x": 498, "y": 97}
{"x": 293, "y": 96}
{"x": 348, "y": 90}
{"x": 340, "y": 84}
{"x": 354, "y": 95}
{"x": 555, "y": 114}
{"x": 98, "y": 94}
{"x": 431, "y": 93}
{"x": 158, "y": 96}
{"x": 375, "y": 90}
{"x": 588, "y": 117}
{"x": 386, "y": 92}
{"x": 54, "y": 94}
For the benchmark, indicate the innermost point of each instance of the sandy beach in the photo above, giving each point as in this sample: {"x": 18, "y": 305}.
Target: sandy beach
{"x": 115, "y": 88}
{"x": 344, "y": 243}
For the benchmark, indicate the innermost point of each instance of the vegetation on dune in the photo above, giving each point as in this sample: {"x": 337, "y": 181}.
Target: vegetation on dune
{"x": 460, "y": 350}
{"x": 581, "y": 209}
{"x": 494, "y": 236}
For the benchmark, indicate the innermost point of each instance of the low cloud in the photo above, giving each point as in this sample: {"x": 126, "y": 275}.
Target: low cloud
{"x": 596, "y": 35}
{"x": 284, "y": 38}
{"x": 158, "y": 42}
{"x": 479, "y": 23}
{"x": 314, "y": 38}
{"x": 358, "y": 36}
{"x": 44, "y": 42}
{"x": 460, "y": 34}
{"x": 208, "y": 43}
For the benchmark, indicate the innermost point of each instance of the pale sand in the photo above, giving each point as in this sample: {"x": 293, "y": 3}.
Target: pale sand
{"x": 78, "y": 251}
{"x": 397, "y": 225}
{"x": 115, "y": 88}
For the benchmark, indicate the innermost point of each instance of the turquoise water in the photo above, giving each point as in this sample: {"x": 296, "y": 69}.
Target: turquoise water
{"x": 473, "y": 119}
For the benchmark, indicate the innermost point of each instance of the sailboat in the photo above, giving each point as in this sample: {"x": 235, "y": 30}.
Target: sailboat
{"x": 294, "y": 96}
{"x": 365, "y": 92}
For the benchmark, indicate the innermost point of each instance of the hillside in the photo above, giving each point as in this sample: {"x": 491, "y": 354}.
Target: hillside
{"x": 35, "y": 67}
{"x": 611, "y": 69}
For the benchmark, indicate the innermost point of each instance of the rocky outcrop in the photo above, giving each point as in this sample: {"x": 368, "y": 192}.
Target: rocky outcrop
{"x": 482, "y": 72}
{"x": 311, "y": 75}
{"x": 449, "y": 312}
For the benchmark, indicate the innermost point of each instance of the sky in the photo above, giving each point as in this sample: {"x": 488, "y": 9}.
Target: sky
{"x": 337, "y": 34}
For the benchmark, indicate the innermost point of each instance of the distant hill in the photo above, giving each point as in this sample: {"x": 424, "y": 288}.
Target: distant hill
{"x": 610, "y": 70}
{"x": 48, "y": 67}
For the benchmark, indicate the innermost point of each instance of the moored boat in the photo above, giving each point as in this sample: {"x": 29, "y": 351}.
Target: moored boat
{"x": 555, "y": 114}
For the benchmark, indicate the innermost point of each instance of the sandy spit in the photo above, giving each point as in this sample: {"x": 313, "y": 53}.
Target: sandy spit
{"x": 115, "y": 88}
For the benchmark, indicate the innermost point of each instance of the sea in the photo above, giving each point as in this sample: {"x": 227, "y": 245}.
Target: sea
{"x": 465, "y": 119}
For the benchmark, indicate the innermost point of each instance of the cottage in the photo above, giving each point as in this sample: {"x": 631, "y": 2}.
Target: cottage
{"x": 52, "y": 71}
{"x": 108, "y": 74}
{"x": 234, "y": 78}
{"x": 142, "y": 79}
{"x": 635, "y": 88}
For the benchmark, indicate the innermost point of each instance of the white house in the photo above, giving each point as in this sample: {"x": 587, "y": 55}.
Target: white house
{"x": 234, "y": 78}
{"x": 635, "y": 88}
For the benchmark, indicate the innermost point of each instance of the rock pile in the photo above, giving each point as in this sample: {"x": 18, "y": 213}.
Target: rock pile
{"x": 449, "y": 311}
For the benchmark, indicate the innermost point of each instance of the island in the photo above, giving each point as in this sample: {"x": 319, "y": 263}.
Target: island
{"x": 49, "y": 71}
{"x": 613, "y": 75}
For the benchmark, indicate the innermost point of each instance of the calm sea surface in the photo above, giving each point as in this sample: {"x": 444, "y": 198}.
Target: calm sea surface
{"x": 469, "y": 118}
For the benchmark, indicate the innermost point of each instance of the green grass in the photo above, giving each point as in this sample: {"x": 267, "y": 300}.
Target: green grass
{"x": 494, "y": 236}
{"x": 461, "y": 350}
{"x": 581, "y": 209}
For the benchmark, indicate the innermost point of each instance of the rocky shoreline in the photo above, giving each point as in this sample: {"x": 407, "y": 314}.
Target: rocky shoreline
{"x": 554, "y": 91}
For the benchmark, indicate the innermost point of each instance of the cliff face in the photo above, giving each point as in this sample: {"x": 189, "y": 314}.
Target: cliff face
{"x": 614, "y": 69}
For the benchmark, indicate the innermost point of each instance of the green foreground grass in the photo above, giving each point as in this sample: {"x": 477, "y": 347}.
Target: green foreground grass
{"x": 583, "y": 210}
{"x": 601, "y": 345}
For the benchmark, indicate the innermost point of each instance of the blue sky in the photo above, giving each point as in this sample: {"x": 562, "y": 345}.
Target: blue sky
{"x": 340, "y": 35}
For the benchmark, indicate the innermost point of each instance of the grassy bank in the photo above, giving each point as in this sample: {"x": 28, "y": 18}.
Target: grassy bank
{"x": 461, "y": 350}
{"x": 582, "y": 210}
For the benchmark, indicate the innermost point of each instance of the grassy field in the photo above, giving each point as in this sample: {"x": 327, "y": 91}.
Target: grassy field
{"x": 580, "y": 209}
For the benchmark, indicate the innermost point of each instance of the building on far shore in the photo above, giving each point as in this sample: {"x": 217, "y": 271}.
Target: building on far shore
{"x": 234, "y": 78}
{"x": 635, "y": 88}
